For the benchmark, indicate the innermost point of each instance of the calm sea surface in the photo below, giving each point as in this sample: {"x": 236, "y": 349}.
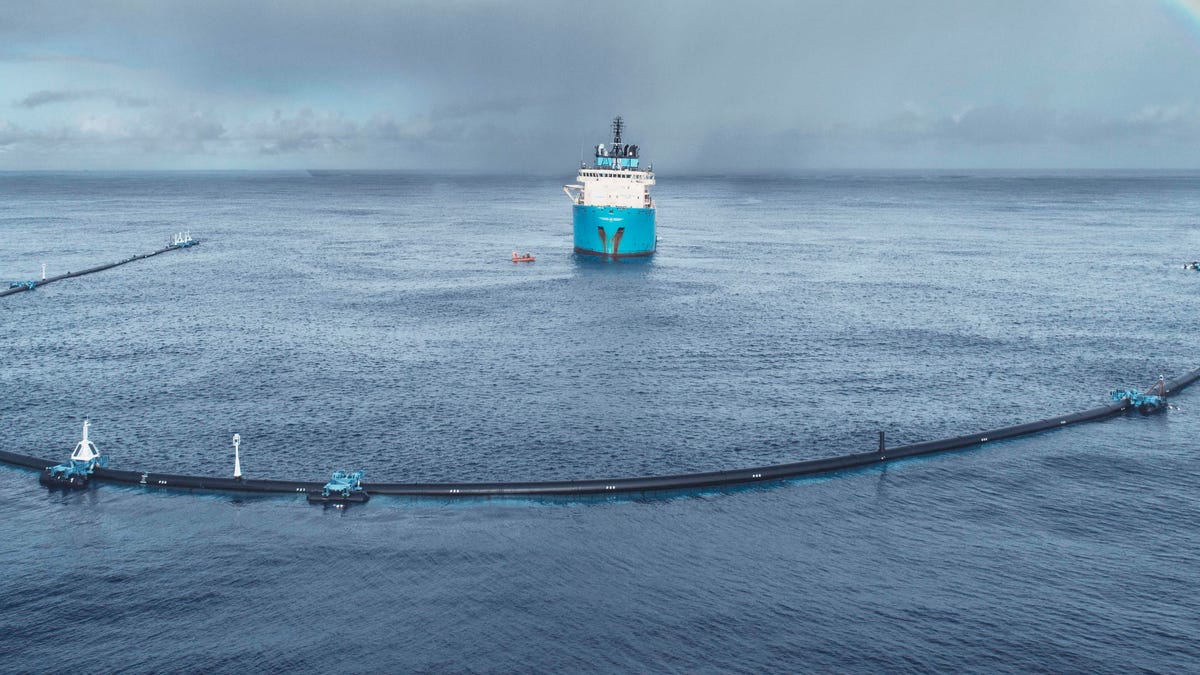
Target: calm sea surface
{"x": 374, "y": 321}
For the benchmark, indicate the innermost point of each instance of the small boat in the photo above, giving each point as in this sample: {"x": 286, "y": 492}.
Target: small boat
{"x": 1194, "y": 265}
{"x": 522, "y": 257}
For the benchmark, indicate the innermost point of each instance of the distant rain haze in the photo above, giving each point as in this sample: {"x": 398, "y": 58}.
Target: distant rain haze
{"x": 528, "y": 87}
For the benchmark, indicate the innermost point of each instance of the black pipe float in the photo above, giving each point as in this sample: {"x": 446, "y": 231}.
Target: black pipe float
{"x": 616, "y": 486}
{"x": 98, "y": 268}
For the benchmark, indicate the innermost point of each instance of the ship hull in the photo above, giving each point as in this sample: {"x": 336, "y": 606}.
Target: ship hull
{"x": 614, "y": 231}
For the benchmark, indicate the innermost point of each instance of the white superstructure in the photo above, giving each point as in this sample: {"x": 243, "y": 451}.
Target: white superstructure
{"x": 616, "y": 178}
{"x": 628, "y": 188}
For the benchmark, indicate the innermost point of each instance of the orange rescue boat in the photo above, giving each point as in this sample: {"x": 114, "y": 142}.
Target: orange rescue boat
{"x": 522, "y": 257}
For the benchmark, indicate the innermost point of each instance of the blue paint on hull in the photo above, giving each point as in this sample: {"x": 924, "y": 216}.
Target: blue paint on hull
{"x": 614, "y": 231}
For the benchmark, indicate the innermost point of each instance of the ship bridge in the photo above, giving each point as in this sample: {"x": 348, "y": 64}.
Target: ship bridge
{"x": 615, "y": 177}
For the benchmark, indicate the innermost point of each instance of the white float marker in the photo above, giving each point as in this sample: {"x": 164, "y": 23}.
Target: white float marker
{"x": 43, "y": 271}
{"x": 237, "y": 460}
{"x": 85, "y": 450}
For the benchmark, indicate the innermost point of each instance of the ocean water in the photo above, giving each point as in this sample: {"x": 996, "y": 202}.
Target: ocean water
{"x": 373, "y": 321}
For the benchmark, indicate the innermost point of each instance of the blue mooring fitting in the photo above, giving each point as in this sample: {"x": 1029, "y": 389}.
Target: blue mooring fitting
{"x": 343, "y": 483}
{"x": 1141, "y": 402}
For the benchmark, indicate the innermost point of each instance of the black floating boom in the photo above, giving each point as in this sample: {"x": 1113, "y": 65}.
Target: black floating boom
{"x": 618, "y": 486}
{"x": 19, "y": 287}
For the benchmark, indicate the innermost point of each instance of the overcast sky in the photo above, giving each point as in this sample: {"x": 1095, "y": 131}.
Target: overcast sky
{"x": 713, "y": 87}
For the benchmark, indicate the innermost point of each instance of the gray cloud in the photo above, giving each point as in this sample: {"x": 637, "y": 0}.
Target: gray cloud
{"x": 759, "y": 84}
{"x": 1004, "y": 125}
{"x": 47, "y": 96}
{"x": 9, "y": 134}
{"x": 44, "y": 56}
{"x": 303, "y": 132}
{"x": 1035, "y": 137}
{"x": 174, "y": 131}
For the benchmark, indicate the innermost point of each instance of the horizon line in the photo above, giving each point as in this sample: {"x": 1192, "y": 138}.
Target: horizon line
{"x": 686, "y": 173}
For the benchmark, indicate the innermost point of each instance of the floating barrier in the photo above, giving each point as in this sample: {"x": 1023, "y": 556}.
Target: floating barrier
{"x": 178, "y": 241}
{"x": 621, "y": 486}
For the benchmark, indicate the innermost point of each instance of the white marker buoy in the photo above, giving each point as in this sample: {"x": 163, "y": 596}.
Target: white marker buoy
{"x": 237, "y": 460}
{"x": 85, "y": 450}
{"x": 43, "y": 271}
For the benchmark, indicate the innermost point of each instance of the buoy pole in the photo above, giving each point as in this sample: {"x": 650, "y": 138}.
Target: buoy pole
{"x": 237, "y": 460}
{"x": 43, "y": 271}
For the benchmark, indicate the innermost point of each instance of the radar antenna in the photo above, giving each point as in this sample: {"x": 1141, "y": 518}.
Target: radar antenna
{"x": 617, "y": 125}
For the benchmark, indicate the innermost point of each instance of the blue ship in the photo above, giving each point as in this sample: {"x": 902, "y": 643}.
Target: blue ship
{"x": 613, "y": 210}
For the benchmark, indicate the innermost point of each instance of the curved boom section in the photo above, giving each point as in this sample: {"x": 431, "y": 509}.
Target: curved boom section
{"x": 621, "y": 486}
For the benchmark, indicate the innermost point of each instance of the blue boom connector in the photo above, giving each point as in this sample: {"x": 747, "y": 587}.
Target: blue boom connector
{"x": 1146, "y": 402}
{"x": 77, "y": 472}
{"x": 182, "y": 240}
{"x": 343, "y": 487}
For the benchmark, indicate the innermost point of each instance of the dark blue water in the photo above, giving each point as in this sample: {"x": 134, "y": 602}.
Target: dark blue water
{"x": 374, "y": 321}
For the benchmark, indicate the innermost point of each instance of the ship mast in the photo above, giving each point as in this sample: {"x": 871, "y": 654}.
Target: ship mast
{"x": 617, "y": 125}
